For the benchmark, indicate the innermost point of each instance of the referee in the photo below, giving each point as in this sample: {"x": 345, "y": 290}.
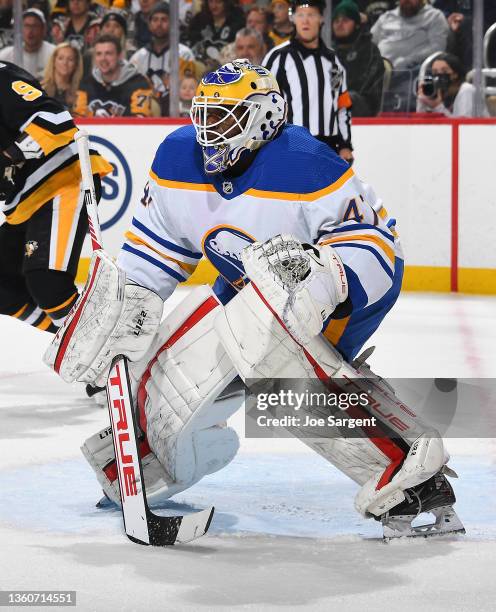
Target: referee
{"x": 312, "y": 80}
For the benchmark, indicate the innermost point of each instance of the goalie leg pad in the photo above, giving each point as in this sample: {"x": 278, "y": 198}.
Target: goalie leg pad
{"x": 399, "y": 452}
{"x": 98, "y": 450}
{"x": 176, "y": 395}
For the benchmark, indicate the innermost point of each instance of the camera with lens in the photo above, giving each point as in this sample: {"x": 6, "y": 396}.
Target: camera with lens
{"x": 433, "y": 83}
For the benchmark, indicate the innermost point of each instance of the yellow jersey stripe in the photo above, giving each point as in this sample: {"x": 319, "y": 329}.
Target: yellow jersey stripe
{"x": 48, "y": 141}
{"x": 67, "y": 218}
{"x": 20, "y": 312}
{"x": 189, "y": 268}
{"x": 44, "y": 324}
{"x": 55, "y": 185}
{"x": 364, "y": 237}
{"x": 335, "y": 330}
{"x": 305, "y": 197}
{"x": 181, "y": 184}
{"x": 63, "y": 305}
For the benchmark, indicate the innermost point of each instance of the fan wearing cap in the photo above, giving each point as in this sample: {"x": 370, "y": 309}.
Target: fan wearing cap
{"x": 313, "y": 80}
{"x": 153, "y": 60}
{"x": 36, "y": 50}
{"x": 360, "y": 57}
{"x": 114, "y": 23}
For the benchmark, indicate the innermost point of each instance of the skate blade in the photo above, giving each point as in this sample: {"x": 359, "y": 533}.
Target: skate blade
{"x": 446, "y": 522}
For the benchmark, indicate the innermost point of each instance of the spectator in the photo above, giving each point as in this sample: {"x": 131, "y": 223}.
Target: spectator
{"x": 79, "y": 19}
{"x": 282, "y": 28}
{"x": 115, "y": 88}
{"x": 37, "y": 51}
{"x": 91, "y": 34}
{"x": 63, "y": 74}
{"x": 187, "y": 91}
{"x": 212, "y": 28}
{"x": 410, "y": 33}
{"x": 258, "y": 18}
{"x": 360, "y": 57}
{"x": 449, "y": 94}
{"x": 114, "y": 24}
{"x": 313, "y": 81}
{"x": 371, "y": 10}
{"x": 142, "y": 34}
{"x": 6, "y": 33}
{"x": 42, "y": 5}
{"x": 458, "y": 11}
{"x": 249, "y": 44}
{"x": 153, "y": 61}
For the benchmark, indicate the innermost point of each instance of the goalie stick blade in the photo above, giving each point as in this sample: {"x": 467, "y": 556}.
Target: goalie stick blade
{"x": 446, "y": 522}
{"x": 195, "y": 525}
{"x": 167, "y": 530}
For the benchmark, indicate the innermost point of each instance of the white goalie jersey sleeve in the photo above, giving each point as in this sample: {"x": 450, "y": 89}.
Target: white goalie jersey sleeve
{"x": 347, "y": 221}
{"x": 154, "y": 255}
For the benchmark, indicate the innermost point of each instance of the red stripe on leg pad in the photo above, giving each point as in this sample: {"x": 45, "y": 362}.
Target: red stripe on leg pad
{"x": 74, "y": 321}
{"x": 386, "y": 445}
{"x": 110, "y": 470}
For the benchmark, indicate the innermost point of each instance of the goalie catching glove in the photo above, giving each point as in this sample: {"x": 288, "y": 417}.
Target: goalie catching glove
{"x": 111, "y": 317}
{"x": 302, "y": 283}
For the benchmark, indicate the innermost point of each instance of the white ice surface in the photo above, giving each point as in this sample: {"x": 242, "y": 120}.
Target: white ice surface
{"x": 285, "y": 533}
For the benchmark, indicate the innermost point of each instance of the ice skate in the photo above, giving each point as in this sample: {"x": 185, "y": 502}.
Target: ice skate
{"x": 436, "y": 497}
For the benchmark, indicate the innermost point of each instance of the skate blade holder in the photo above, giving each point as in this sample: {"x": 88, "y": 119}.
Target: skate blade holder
{"x": 446, "y": 523}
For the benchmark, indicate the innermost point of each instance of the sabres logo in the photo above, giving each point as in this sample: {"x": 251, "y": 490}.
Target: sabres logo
{"x": 225, "y": 75}
{"x": 222, "y": 246}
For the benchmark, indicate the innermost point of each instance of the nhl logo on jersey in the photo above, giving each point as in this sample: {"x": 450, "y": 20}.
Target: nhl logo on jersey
{"x": 336, "y": 78}
{"x": 30, "y": 247}
{"x": 227, "y": 187}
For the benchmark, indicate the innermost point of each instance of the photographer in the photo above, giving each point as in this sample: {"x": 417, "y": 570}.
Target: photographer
{"x": 445, "y": 91}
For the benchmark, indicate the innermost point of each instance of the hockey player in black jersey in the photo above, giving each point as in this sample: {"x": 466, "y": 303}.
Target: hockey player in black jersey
{"x": 45, "y": 222}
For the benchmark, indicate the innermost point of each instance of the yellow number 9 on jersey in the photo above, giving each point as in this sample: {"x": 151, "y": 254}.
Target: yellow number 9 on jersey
{"x": 26, "y": 91}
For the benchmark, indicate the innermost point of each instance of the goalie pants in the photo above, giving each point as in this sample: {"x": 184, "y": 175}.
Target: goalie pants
{"x": 349, "y": 335}
{"x": 39, "y": 260}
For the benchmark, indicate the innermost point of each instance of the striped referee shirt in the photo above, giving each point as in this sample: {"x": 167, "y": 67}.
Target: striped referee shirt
{"x": 313, "y": 81}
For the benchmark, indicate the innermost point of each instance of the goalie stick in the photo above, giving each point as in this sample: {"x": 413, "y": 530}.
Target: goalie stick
{"x": 140, "y": 524}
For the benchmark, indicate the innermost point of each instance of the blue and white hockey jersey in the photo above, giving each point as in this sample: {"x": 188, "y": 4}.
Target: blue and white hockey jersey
{"x": 296, "y": 185}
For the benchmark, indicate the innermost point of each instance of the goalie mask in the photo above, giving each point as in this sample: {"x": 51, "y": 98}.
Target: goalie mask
{"x": 237, "y": 108}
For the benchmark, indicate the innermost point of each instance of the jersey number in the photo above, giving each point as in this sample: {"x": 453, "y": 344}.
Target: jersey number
{"x": 353, "y": 213}
{"x": 26, "y": 91}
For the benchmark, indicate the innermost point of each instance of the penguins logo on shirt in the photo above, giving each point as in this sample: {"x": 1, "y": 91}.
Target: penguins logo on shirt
{"x": 109, "y": 108}
{"x": 222, "y": 246}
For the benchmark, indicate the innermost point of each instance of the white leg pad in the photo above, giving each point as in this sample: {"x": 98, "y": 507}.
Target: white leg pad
{"x": 259, "y": 347}
{"x": 185, "y": 429}
{"x": 98, "y": 450}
